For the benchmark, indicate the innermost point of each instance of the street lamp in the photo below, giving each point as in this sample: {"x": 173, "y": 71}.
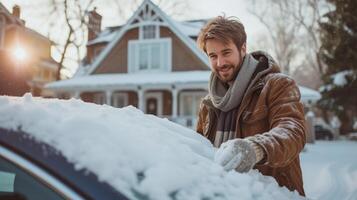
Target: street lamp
{"x": 19, "y": 53}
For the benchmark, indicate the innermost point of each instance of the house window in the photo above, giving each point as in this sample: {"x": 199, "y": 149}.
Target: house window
{"x": 119, "y": 100}
{"x": 149, "y": 55}
{"x": 190, "y": 103}
{"x": 99, "y": 98}
{"x": 149, "y": 32}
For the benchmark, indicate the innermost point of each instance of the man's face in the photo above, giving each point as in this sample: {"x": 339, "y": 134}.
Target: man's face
{"x": 225, "y": 59}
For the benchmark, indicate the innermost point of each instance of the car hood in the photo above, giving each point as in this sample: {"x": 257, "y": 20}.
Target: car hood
{"x": 140, "y": 155}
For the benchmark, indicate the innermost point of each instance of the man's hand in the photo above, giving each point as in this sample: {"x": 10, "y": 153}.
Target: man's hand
{"x": 239, "y": 154}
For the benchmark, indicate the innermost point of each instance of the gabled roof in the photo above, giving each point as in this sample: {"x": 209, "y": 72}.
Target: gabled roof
{"x": 165, "y": 19}
{"x": 17, "y": 21}
{"x": 190, "y": 28}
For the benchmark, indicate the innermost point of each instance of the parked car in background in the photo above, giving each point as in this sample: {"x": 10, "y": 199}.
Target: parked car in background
{"x": 68, "y": 149}
{"x": 352, "y": 136}
{"x": 322, "y": 133}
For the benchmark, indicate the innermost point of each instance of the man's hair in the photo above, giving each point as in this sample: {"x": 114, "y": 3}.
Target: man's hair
{"x": 224, "y": 29}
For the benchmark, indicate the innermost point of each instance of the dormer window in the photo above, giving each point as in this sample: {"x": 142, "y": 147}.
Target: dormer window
{"x": 149, "y": 32}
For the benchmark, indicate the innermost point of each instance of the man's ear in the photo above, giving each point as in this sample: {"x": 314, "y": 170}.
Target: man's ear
{"x": 243, "y": 49}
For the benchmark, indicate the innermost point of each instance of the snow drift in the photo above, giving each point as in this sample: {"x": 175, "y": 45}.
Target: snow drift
{"x": 134, "y": 152}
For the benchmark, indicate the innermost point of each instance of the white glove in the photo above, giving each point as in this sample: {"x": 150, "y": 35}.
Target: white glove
{"x": 239, "y": 154}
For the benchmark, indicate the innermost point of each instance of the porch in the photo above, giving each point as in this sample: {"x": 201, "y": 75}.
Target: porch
{"x": 175, "y": 96}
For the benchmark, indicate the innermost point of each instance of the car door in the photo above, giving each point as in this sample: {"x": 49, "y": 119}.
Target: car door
{"x": 20, "y": 179}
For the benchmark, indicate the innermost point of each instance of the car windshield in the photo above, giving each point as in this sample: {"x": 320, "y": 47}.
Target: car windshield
{"x": 142, "y": 156}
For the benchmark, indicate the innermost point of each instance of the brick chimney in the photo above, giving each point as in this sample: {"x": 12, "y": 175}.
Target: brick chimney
{"x": 94, "y": 24}
{"x": 16, "y": 11}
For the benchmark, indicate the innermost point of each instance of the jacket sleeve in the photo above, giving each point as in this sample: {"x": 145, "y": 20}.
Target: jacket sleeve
{"x": 201, "y": 122}
{"x": 286, "y": 138}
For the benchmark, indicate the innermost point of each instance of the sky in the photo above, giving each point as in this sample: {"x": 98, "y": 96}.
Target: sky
{"x": 196, "y": 9}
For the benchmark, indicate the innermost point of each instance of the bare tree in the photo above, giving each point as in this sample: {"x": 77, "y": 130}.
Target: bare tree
{"x": 74, "y": 16}
{"x": 70, "y": 18}
{"x": 283, "y": 34}
{"x": 304, "y": 16}
{"x": 308, "y": 13}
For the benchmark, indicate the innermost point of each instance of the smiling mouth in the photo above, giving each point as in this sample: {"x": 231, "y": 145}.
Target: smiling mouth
{"x": 225, "y": 70}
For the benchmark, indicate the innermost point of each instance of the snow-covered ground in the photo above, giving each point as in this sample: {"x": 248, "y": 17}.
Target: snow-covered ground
{"x": 330, "y": 170}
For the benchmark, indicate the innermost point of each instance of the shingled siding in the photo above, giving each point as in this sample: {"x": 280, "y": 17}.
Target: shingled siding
{"x": 94, "y": 50}
{"x": 183, "y": 59}
{"x": 117, "y": 60}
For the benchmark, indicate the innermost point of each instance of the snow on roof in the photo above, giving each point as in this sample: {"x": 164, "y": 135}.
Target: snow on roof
{"x": 134, "y": 79}
{"x": 152, "y": 157}
{"x": 190, "y": 28}
{"x": 105, "y": 36}
{"x": 308, "y": 94}
{"x": 101, "y": 81}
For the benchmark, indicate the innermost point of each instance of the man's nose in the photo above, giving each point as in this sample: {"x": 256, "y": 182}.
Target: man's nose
{"x": 220, "y": 61}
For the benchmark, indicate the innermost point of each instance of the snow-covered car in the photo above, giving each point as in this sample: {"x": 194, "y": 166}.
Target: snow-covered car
{"x": 322, "y": 133}
{"x": 68, "y": 149}
{"x": 352, "y": 136}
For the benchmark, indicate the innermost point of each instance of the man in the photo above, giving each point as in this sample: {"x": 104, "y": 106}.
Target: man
{"x": 252, "y": 113}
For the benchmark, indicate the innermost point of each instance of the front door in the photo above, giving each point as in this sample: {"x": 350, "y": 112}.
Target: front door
{"x": 151, "y": 106}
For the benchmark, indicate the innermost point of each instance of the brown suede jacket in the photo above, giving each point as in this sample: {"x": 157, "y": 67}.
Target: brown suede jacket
{"x": 270, "y": 111}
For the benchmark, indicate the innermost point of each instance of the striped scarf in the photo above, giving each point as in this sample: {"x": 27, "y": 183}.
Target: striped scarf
{"x": 227, "y": 100}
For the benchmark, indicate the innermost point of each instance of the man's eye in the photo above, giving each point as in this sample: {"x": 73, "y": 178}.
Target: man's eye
{"x": 226, "y": 53}
{"x": 213, "y": 56}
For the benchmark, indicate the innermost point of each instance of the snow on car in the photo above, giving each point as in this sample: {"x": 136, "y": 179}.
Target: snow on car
{"x": 141, "y": 156}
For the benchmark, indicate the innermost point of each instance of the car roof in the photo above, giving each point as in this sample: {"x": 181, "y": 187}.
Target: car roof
{"x": 84, "y": 182}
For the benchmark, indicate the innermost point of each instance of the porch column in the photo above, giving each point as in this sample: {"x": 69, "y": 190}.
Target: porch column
{"x": 141, "y": 102}
{"x": 108, "y": 97}
{"x": 174, "y": 101}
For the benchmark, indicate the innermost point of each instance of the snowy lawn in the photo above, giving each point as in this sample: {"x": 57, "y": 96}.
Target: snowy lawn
{"x": 135, "y": 152}
{"x": 330, "y": 170}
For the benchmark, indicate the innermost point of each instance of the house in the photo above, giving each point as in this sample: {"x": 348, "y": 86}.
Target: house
{"x": 26, "y": 64}
{"x": 152, "y": 62}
